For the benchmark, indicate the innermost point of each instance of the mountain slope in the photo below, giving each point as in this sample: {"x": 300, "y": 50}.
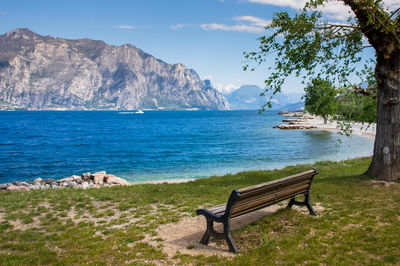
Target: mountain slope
{"x": 248, "y": 97}
{"x": 40, "y": 72}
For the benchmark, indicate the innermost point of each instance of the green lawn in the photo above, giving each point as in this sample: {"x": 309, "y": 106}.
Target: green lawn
{"x": 360, "y": 223}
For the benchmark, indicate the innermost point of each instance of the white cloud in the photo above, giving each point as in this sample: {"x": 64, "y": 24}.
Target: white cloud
{"x": 391, "y": 4}
{"x": 274, "y": 101}
{"x": 245, "y": 28}
{"x": 179, "y": 26}
{"x": 209, "y": 77}
{"x": 336, "y": 10}
{"x": 125, "y": 27}
{"x": 290, "y": 3}
{"x": 246, "y": 24}
{"x": 253, "y": 20}
{"x": 333, "y": 9}
{"x": 226, "y": 89}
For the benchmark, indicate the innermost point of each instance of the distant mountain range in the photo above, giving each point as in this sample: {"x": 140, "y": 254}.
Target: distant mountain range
{"x": 248, "y": 97}
{"x": 41, "y": 72}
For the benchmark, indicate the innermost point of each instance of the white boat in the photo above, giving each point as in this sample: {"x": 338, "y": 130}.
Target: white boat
{"x": 139, "y": 112}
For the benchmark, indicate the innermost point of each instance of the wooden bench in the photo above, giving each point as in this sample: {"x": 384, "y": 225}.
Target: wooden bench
{"x": 253, "y": 198}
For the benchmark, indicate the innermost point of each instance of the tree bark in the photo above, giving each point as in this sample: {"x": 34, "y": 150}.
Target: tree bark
{"x": 386, "y": 157}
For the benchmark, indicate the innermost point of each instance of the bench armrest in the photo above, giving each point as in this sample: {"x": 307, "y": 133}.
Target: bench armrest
{"x": 209, "y": 215}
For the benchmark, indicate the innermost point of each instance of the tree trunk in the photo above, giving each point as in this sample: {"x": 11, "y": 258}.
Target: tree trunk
{"x": 325, "y": 119}
{"x": 386, "y": 158}
{"x": 384, "y": 38}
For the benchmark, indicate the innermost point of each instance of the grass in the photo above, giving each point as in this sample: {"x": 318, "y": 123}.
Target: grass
{"x": 360, "y": 223}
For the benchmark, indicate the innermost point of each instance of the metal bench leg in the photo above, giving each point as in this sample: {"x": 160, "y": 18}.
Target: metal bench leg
{"x": 228, "y": 237}
{"x": 308, "y": 204}
{"x": 291, "y": 202}
{"x": 206, "y": 237}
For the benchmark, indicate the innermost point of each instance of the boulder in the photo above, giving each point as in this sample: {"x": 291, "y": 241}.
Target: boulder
{"x": 98, "y": 179}
{"x": 36, "y": 186}
{"x": 85, "y": 185}
{"x": 293, "y": 114}
{"x": 71, "y": 184}
{"x": 112, "y": 179}
{"x": 77, "y": 179}
{"x": 86, "y": 176}
{"x": 4, "y": 186}
{"x": 38, "y": 180}
{"x": 103, "y": 173}
{"x": 18, "y": 184}
{"x": 297, "y": 126}
{"x": 13, "y": 187}
{"x": 67, "y": 179}
{"x": 48, "y": 181}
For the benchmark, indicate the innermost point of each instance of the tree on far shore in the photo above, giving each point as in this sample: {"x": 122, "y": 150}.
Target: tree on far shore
{"x": 320, "y": 98}
{"x": 306, "y": 44}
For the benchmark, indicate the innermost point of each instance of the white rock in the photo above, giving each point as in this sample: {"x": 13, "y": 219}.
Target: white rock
{"x": 77, "y": 179}
{"x": 67, "y": 179}
{"x": 98, "y": 179}
{"x": 112, "y": 179}
{"x": 85, "y": 185}
{"x": 17, "y": 188}
{"x": 38, "y": 180}
{"x": 86, "y": 176}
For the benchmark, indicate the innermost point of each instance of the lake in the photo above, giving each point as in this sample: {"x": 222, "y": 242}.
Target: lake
{"x": 159, "y": 145}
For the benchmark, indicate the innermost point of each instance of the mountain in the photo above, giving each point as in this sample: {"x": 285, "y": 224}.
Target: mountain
{"x": 41, "y": 72}
{"x": 248, "y": 97}
{"x": 293, "y": 107}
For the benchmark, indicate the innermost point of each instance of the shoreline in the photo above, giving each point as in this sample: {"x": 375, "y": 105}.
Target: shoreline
{"x": 168, "y": 181}
{"x": 357, "y": 128}
{"x": 300, "y": 120}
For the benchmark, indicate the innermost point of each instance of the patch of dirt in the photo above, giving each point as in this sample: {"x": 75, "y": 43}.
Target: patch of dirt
{"x": 318, "y": 208}
{"x": 184, "y": 236}
{"x": 2, "y": 217}
{"x": 352, "y": 226}
{"x": 384, "y": 183}
{"x": 45, "y": 204}
{"x": 19, "y": 225}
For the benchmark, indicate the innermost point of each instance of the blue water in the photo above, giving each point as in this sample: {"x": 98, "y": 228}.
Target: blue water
{"x": 159, "y": 144}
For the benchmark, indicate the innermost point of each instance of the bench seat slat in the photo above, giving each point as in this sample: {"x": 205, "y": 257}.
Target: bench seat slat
{"x": 215, "y": 209}
{"x": 264, "y": 201}
{"x": 245, "y": 193}
{"x": 273, "y": 182}
{"x": 270, "y": 198}
{"x": 265, "y": 205}
{"x": 244, "y": 199}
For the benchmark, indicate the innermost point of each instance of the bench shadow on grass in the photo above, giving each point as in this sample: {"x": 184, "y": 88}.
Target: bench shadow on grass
{"x": 184, "y": 236}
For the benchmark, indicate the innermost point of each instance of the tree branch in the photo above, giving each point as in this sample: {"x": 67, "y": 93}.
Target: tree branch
{"x": 328, "y": 26}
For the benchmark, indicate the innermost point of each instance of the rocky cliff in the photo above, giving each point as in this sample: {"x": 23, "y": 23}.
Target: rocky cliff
{"x": 40, "y": 72}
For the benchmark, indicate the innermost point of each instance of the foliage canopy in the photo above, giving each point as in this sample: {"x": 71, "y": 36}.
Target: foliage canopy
{"x": 320, "y": 98}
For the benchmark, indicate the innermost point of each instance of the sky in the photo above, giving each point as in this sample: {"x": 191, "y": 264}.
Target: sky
{"x": 208, "y": 36}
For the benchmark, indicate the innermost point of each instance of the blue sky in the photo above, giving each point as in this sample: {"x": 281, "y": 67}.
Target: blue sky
{"x": 209, "y": 36}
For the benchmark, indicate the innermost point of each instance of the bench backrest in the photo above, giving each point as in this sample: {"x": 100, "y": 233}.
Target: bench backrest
{"x": 259, "y": 196}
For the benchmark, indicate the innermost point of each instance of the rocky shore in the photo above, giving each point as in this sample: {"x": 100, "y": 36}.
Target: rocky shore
{"x": 300, "y": 120}
{"x": 86, "y": 180}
